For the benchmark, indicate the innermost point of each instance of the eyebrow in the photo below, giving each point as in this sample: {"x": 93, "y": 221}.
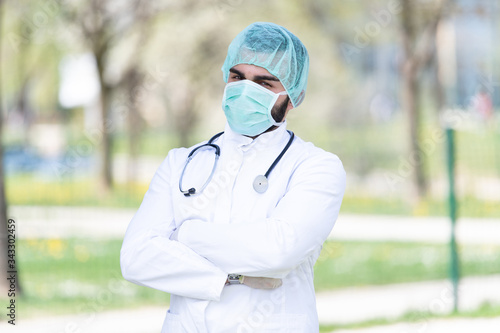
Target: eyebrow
{"x": 266, "y": 77}
{"x": 257, "y": 77}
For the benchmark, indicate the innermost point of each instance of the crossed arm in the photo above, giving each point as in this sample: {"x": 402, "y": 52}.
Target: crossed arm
{"x": 194, "y": 267}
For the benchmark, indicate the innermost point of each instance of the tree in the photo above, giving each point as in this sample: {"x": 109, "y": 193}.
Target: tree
{"x": 418, "y": 22}
{"x": 102, "y": 25}
{"x": 417, "y": 35}
{"x": 193, "y": 70}
{"x": 4, "y": 283}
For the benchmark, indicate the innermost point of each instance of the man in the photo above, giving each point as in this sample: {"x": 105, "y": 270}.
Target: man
{"x": 234, "y": 239}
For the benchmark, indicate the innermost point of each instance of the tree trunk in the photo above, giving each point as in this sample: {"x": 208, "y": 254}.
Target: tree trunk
{"x": 133, "y": 82}
{"x": 106, "y": 176}
{"x": 410, "y": 97}
{"x": 4, "y": 268}
{"x": 4, "y": 285}
{"x": 411, "y": 105}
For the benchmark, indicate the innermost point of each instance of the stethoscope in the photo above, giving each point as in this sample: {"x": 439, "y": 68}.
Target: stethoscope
{"x": 260, "y": 184}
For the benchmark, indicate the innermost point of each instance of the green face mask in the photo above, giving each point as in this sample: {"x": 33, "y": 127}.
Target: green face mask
{"x": 248, "y": 106}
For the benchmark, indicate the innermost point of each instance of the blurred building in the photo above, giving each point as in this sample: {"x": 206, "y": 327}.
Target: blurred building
{"x": 477, "y": 30}
{"x": 471, "y": 58}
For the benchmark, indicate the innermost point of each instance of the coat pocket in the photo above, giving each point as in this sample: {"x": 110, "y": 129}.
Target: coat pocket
{"x": 172, "y": 323}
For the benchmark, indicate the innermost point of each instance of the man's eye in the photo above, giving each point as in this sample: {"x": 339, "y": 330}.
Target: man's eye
{"x": 236, "y": 77}
{"x": 265, "y": 84}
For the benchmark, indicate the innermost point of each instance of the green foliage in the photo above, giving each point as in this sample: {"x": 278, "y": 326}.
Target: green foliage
{"x": 32, "y": 47}
{"x": 179, "y": 100}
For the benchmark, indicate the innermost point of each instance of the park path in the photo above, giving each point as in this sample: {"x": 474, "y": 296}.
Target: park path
{"x": 62, "y": 222}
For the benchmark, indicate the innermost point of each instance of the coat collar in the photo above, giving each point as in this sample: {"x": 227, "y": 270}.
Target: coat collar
{"x": 266, "y": 139}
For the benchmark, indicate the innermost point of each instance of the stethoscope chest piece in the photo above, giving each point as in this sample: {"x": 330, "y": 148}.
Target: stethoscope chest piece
{"x": 260, "y": 184}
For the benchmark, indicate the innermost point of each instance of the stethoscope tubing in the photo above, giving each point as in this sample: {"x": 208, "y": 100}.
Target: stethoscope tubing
{"x": 210, "y": 143}
{"x": 276, "y": 161}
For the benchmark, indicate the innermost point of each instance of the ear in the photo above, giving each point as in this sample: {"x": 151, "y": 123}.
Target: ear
{"x": 289, "y": 106}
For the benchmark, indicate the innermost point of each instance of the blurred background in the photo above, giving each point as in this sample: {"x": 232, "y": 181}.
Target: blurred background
{"x": 94, "y": 94}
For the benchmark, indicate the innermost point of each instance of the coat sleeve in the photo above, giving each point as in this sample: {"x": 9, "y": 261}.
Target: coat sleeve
{"x": 299, "y": 225}
{"x": 149, "y": 258}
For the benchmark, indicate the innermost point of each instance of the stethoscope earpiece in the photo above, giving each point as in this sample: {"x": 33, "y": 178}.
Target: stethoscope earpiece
{"x": 189, "y": 192}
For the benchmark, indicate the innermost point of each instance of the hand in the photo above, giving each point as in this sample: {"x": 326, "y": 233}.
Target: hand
{"x": 261, "y": 282}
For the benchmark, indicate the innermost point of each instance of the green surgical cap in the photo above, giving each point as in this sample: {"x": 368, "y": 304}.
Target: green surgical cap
{"x": 276, "y": 49}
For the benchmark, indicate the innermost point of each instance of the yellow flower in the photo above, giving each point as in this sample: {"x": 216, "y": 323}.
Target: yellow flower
{"x": 55, "y": 248}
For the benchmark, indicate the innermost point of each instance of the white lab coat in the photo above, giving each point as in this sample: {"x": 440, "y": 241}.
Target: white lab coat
{"x": 230, "y": 228}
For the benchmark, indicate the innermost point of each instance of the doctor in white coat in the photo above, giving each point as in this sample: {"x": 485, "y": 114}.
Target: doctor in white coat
{"x": 232, "y": 229}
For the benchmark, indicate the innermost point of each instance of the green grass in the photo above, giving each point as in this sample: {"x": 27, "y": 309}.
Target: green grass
{"x": 152, "y": 143}
{"x": 479, "y": 151}
{"x": 30, "y": 190}
{"x": 73, "y": 276}
{"x": 350, "y": 264}
{"x": 76, "y": 275}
